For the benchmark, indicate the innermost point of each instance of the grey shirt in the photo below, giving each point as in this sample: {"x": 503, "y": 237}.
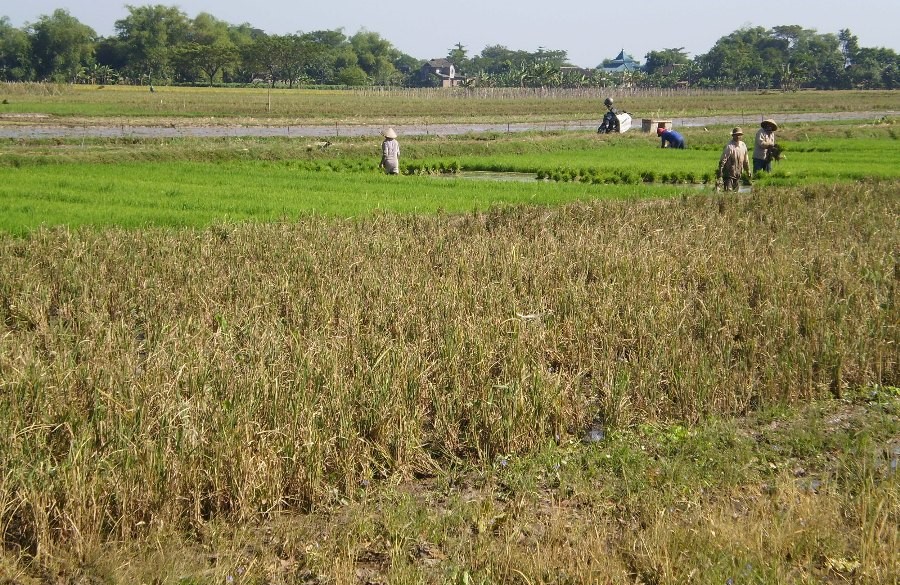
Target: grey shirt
{"x": 390, "y": 156}
{"x": 734, "y": 160}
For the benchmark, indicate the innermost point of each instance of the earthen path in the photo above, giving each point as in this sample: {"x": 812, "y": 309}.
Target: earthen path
{"x": 36, "y": 126}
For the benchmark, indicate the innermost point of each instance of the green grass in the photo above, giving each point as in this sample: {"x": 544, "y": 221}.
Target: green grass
{"x": 199, "y": 194}
{"x": 819, "y": 151}
{"x": 195, "y": 182}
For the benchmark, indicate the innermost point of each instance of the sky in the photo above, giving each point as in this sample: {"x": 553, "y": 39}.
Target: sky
{"x": 589, "y": 31}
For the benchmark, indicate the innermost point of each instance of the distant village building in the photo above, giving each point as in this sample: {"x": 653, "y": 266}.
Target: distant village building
{"x": 444, "y": 70}
{"x": 622, "y": 63}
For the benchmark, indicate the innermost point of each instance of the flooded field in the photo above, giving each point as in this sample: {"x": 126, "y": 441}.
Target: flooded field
{"x": 493, "y": 176}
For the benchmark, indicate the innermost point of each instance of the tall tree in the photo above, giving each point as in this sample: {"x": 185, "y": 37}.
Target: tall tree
{"x": 814, "y": 60}
{"x": 15, "y": 53}
{"x": 334, "y": 54}
{"x": 61, "y": 46}
{"x": 300, "y": 56}
{"x": 112, "y": 52}
{"x": 786, "y": 57}
{"x": 874, "y": 68}
{"x": 497, "y": 59}
{"x": 664, "y": 60}
{"x": 206, "y": 29}
{"x": 209, "y": 49}
{"x": 264, "y": 58}
{"x": 849, "y": 46}
{"x": 242, "y": 37}
{"x": 459, "y": 56}
{"x": 209, "y": 59}
{"x": 151, "y": 34}
{"x": 552, "y": 57}
{"x": 747, "y": 58}
{"x": 283, "y": 58}
{"x": 376, "y": 57}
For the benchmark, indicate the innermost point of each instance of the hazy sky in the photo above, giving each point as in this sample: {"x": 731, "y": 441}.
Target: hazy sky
{"x": 585, "y": 29}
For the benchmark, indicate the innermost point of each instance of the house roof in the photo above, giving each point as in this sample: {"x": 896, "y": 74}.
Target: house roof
{"x": 623, "y": 62}
{"x": 624, "y": 58}
{"x": 440, "y": 63}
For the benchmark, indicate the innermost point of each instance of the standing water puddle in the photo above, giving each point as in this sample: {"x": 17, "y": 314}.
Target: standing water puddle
{"x": 492, "y": 176}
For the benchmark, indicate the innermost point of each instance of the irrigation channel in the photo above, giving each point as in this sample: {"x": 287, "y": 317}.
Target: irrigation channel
{"x": 38, "y": 126}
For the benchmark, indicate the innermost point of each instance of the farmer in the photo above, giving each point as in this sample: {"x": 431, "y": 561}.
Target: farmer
{"x": 733, "y": 162}
{"x": 610, "y": 123}
{"x": 670, "y": 138}
{"x": 390, "y": 153}
{"x": 764, "y": 146}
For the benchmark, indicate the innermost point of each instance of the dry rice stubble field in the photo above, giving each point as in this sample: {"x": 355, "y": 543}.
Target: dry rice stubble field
{"x": 188, "y": 386}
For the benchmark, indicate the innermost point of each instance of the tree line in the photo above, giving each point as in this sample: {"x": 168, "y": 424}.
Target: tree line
{"x": 161, "y": 44}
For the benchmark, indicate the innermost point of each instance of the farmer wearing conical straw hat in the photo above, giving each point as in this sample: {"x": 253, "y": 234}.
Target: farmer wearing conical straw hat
{"x": 764, "y": 146}
{"x": 390, "y": 153}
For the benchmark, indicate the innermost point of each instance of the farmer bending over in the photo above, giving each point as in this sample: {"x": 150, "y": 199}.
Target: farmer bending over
{"x": 670, "y": 138}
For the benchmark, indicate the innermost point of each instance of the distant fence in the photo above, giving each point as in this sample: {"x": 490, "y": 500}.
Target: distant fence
{"x": 576, "y": 93}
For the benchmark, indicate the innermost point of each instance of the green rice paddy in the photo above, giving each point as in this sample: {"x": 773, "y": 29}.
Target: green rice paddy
{"x": 197, "y": 182}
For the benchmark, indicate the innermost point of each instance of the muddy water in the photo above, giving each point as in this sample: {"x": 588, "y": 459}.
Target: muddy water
{"x": 38, "y": 126}
{"x": 492, "y": 176}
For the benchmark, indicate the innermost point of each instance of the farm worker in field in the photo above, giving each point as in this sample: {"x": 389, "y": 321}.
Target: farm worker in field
{"x": 670, "y": 138}
{"x": 764, "y": 146}
{"x": 733, "y": 162}
{"x": 610, "y": 123}
{"x": 390, "y": 153}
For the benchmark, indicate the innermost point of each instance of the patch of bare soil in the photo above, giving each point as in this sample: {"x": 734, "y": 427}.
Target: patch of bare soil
{"x": 53, "y": 127}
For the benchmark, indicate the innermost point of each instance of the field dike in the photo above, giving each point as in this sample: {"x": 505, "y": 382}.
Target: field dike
{"x": 157, "y": 384}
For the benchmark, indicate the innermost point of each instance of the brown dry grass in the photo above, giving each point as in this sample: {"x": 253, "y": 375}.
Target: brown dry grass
{"x": 158, "y": 383}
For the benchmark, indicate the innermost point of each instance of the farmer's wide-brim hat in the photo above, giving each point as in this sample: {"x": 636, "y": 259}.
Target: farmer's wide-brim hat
{"x": 389, "y": 133}
{"x": 770, "y": 123}
{"x": 736, "y": 131}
